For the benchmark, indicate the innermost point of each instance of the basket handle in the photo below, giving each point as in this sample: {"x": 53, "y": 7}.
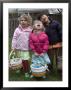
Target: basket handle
{"x": 12, "y": 51}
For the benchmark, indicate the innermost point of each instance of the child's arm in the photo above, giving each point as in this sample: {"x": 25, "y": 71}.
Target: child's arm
{"x": 14, "y": 39}
{"x": 46, "y": 44}
{"x": 31, "y": 44}
{"x": 59, "y": 31}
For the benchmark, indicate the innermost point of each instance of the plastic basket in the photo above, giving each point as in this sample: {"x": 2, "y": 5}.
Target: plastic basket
{"x": 38, "y": 72}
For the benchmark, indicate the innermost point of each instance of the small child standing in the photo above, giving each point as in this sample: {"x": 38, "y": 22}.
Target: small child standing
{"x": 39, "y": 44}
{"x": 20, "y": 41}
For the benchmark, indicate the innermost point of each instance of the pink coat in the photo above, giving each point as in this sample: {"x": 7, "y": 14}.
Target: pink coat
{"x": 20, "y": 39}
{"x": 39, "y": 43}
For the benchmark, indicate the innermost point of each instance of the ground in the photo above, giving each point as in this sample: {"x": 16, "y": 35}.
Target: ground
{"x": 51, "y": 76}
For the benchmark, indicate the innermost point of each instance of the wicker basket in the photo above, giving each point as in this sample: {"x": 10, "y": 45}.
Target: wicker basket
{"x": 39, "y": 72}
{"x": 15, "y": 63}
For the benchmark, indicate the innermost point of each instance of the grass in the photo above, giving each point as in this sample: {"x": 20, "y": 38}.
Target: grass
{"x": 51, "y": 76}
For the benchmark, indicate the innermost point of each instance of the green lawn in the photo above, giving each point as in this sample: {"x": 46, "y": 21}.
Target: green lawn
{"x": 51, "y": 76}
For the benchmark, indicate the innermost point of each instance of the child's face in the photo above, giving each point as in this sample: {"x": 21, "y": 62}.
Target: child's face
{"x": 38, "y": 26}
{"x": 23, "y": 22}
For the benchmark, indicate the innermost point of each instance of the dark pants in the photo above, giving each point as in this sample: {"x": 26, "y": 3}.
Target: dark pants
{"x": 53, "y": 54}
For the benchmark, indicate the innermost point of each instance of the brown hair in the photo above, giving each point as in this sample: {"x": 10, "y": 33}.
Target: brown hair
{"x": 28, "y": 18}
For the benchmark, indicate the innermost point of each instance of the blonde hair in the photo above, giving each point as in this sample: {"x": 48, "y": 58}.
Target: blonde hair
{"x": 27, "y": 17}
{"x": 36, "y": 22}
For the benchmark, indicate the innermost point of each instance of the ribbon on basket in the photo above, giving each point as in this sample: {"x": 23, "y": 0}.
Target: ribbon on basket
{"x": 38, "y": 61}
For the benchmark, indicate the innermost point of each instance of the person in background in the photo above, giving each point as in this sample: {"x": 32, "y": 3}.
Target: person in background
{"x": 20, "y": 41}
{"x": 54, "y": 31}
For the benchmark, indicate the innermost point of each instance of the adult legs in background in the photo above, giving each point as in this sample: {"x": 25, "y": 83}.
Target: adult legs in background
{"x": 53, "y": 54}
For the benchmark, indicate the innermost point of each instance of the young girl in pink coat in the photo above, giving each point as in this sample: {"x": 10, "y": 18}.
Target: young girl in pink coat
{"x": 39, "y": 44}
{"x": 20, "y": 41}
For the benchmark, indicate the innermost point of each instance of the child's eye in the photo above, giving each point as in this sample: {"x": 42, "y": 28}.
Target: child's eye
{"x": 24, "y": 20}
{"x": 21, "y": 20}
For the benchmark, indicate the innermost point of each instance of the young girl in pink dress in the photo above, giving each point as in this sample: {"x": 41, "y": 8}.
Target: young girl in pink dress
{"x": 20, "y": 41}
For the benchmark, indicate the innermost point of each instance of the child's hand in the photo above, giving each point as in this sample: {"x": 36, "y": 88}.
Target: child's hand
{"x": 41, "y": 54}
{"x": 13, "y": 50}
{"x": 36, "y": 54}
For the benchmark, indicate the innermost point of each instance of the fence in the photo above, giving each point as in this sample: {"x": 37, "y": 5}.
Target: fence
{"x": 13, "y": 23}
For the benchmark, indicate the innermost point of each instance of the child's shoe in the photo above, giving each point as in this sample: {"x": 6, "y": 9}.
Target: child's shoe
{"x": 31, "y": 76}
{"x": 27, "y": 77}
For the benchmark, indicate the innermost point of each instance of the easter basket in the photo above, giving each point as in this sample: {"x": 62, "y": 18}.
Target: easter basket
{"x": 38, "y": 71}
{"x": 14, "y": 62}
{"x": 38, "y": 67}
